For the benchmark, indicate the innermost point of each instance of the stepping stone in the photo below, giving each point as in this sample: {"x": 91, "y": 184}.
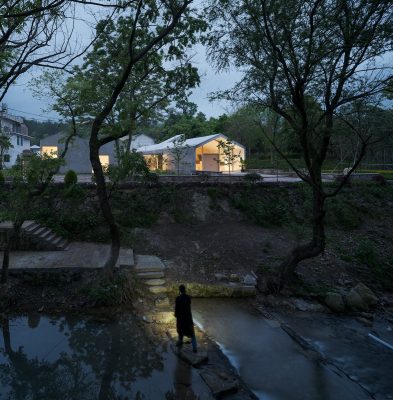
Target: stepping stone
{"x": 150, "y": 275}
{"x": 148, "y": 264}
{"x": 154, "y": 282}
{"x": 162, "y": 302}
{"x": 219, "y": 382}
{"x": 157, "y": 289}
{"x": 187, "y": 355}
{"x": 164, "y": 317}
{"x": 126, "y": 258}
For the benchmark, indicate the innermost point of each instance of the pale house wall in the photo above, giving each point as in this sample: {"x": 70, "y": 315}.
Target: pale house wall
{"x": 18, "y": 133}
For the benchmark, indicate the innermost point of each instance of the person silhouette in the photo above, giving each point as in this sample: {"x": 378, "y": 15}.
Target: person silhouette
{"x": 184, "y": 322}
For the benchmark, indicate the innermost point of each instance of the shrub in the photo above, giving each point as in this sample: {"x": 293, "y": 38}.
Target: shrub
{"x": 253, "y": 177}
{"x": 2, "y": 179}
{"x": 340, "y": 178}
{"x": 379, "y": 180}
{"x": 70, "y": 178}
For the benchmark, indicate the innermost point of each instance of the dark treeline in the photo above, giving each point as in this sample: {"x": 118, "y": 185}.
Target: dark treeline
{"x": 40, "y": 129}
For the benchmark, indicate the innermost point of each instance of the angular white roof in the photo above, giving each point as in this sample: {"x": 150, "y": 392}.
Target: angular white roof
{"x": 169, "y": 143}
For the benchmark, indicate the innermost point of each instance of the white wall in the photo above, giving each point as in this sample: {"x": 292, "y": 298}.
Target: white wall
{"x": 14, "y": 128}
{"x": 187, "y": 163}
{"x": 24, "y": 144}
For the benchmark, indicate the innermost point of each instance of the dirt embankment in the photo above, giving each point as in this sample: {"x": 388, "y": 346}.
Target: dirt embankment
{"x": 200, "y": 232}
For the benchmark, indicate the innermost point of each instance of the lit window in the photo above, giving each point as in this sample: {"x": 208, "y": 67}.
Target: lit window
{"x": 104, "y": 160}
{"x": 50, "y": 151}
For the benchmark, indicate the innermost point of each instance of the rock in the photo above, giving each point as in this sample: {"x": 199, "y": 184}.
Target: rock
{"x": 234, "y": 278}
{"x": 335, "y": 302}
{"x": 165, "y": 317}
{"x": 147, "y": 263}
{"x": 250, "y": 280}
{"x": 189, "y": 356}
{"x": 147, "y": 318}
{"x": 308, "y": 306}
{"x": 215, "y": 290}
{"x": 355, "y": 302}
{"x": 365, "y": 321}
{"x": 154, "y": 282}
{"x": 151, "y": 275}
{"x": 220, "y": 383}
{"x": 220, "y": 277}
{"x": 162, "y": 302}
{"x": 366, "y": 294}
{"x": 157, "y": 289}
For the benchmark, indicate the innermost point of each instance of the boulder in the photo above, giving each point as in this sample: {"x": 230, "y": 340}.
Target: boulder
{"x": 250, "y": 280}
{"x": 355, "y": 302}
{"x": 366, "y": 294}
{"x": 335, "y": 302}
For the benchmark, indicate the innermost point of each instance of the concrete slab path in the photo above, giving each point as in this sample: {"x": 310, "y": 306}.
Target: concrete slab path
{"x": 78, "y": 255}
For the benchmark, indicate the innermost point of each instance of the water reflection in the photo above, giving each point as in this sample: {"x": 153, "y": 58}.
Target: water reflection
{"x": 73, "y": 358}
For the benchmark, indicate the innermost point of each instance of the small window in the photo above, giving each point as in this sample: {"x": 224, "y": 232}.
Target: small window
{"x": 6, "y": 158}
{"x": 17, "y": 140}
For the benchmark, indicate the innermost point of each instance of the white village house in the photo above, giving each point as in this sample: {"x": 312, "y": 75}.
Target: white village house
{"x": 202, "y": 154}
{"x": 77, "y": 157}
{"x": 15, "y": 128}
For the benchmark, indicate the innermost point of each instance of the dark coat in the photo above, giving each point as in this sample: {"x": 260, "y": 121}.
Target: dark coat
{"x": 184, "y": 322}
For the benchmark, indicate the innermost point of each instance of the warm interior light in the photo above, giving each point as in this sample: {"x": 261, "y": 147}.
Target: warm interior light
{"x": 50, "y": 151}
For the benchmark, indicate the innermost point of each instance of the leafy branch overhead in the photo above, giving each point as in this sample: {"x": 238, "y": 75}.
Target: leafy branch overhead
{"x": 306, "y": 61}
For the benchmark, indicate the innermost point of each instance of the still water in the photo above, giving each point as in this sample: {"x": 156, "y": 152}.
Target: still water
{"x": 73, "y": 357}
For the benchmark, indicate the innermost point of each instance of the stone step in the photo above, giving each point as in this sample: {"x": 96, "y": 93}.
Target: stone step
{"x": 154, "y": 282}
{"x": 220, "y": 382}
{"x": 63, "y": 244}
{"x": 126, "y": 258}
{"x": 146, "y": 263}
{"x": 38, "y": 231}
{"x": 43, "y": 235}
{"x": 56, "y": 241}
{"x": 28, "y": 224}
{"x": 162, "y": 302}
{"x": 51, "y": 236}
{"x": 157, "y": 289}
{"x": 150, "y": 275}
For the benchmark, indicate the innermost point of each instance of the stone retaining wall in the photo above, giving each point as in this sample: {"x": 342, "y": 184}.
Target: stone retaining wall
{"x": 214, "y": 290}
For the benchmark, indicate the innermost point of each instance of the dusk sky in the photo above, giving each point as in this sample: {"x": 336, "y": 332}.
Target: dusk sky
{"x": 21, "y": 101}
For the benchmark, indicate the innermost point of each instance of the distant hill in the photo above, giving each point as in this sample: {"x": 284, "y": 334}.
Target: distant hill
{"x": 39, "y": 130}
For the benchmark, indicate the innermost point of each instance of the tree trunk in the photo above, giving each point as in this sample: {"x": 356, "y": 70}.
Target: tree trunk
{"x": 315, "y": 247}
{"x": 5, "y": 324}
{"x": 105, "y": 207}
{"x": 6, "y": 262}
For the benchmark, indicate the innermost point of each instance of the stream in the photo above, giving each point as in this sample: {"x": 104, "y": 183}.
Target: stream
{"x": 101, "y": 357}
{"x": 83, "y": 358}
{"x": 272, "y": 365}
